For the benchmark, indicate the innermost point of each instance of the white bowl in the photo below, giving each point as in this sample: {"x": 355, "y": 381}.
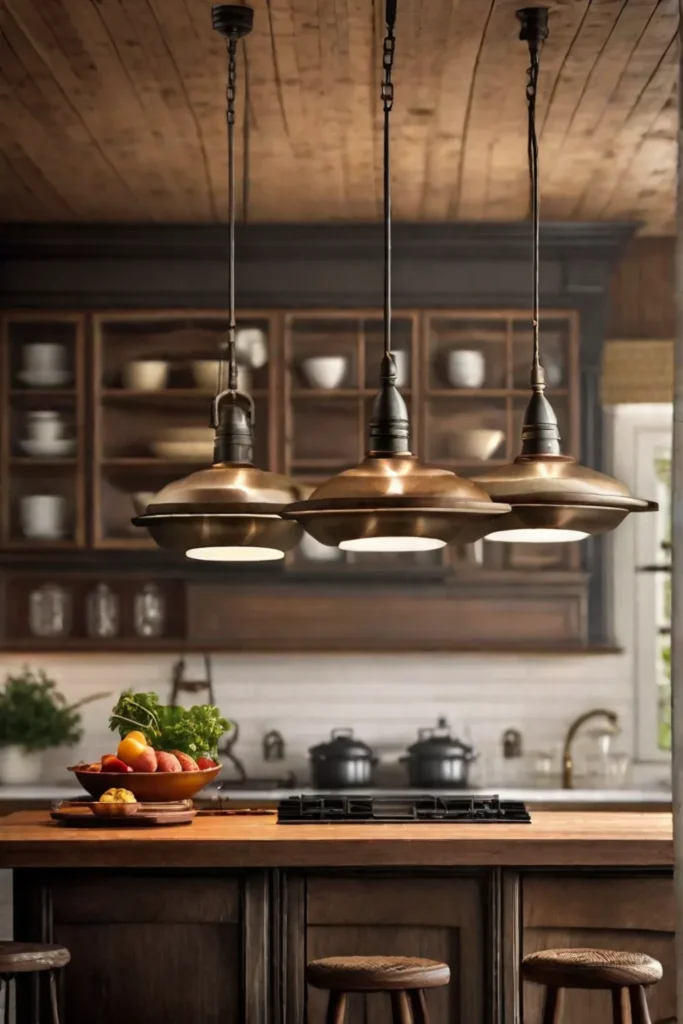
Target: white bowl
{"x": 199, "y": 435}
{"x": 205, "y": 373}
{"x": 44, "y": 378}
{"x": 54, "y": 448}
{"x": 183, "y": 451}
{"x": 325, "y": 371}
{"x": 477, "y": 444}
{"x": 145, "y": 375}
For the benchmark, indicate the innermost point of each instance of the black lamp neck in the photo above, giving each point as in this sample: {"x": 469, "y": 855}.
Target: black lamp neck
{"x": 233, "y": 423}
{"x": 389, "y": 426}
{"x": 233, "y": 413}
{"x": 540, "y": 434}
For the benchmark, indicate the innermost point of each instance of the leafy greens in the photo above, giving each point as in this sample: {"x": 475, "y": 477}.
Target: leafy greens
{"x": 194, "y": 730}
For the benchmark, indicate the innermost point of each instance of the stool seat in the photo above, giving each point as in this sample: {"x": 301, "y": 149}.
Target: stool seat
{"x": 29, "y": 958}
{"x": 376, "y": 973}
{"x": 590, "y": 968}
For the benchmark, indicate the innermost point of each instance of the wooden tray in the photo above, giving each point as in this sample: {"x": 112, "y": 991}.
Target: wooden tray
{"x": 78, "y": 814}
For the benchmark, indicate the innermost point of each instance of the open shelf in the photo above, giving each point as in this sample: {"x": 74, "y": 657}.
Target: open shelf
{"x": 304, "y": 393}
{"x": 307, "y": 432}
{"x": 168, "y": 395}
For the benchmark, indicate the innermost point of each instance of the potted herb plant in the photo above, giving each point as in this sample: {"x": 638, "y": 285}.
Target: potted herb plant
{"x": 34, "y": 717}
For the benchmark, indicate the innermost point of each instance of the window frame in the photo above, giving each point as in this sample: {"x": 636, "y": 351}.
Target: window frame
{"x": 638, "y": 432}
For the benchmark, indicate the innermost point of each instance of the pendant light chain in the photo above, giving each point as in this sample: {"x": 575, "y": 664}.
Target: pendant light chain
{"x": 535, "y": 31}
{"x": 387, "y": 95}
{"x": 230, "y": 95}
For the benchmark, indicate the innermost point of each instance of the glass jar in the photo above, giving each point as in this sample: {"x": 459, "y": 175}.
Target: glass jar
{"x": 49, "y": 611}
{"x": 149, "y": 611}
{"x": 103, "y": 614}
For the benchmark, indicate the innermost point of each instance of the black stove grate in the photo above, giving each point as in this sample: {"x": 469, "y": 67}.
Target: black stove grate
{"x": 333, "y": 809}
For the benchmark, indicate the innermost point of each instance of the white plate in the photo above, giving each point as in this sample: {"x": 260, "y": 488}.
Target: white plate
{"x": 44, "y": 378}
{"x": 58, "y": 449}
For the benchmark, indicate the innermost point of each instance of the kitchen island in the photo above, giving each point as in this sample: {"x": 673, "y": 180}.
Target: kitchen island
{"x": 215, "y": 921}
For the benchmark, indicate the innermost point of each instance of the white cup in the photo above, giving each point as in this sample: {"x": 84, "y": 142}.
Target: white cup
{"x": 325, "y": 372}
{"x": 44, "y": 426}
{"x": 145, "y": 375}
{"x": 401, "y": 361}
{"x": 43, "y": 516}
{"x": 44, "y": 356}
{"x": 466, "y": 368}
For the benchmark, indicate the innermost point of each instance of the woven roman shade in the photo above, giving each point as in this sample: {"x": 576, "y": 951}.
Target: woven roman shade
{"x": 637, "y": 371}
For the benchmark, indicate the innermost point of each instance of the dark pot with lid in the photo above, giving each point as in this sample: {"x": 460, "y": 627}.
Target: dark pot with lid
{"x": 342, "y": 762}
{"x": 438, "y": 760}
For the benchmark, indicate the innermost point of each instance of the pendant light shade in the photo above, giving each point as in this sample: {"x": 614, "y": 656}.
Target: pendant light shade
{"x": 553, "y": 498}
{"x": 391, "y": 502}
{"x": 229, "y": 512}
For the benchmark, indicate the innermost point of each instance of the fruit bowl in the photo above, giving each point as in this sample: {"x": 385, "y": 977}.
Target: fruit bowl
{"x": 150, "y": 787}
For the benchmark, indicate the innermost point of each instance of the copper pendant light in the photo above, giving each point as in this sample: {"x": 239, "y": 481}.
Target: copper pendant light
{"x": 391, "y": 502}
{"x": 229, "y": 512}
{"x": 553, "y": 498}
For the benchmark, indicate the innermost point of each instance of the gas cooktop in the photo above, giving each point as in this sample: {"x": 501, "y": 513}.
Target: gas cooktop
{"x": 329, "y": 808}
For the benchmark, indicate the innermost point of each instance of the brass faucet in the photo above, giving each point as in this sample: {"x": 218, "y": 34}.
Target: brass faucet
{"x": 567, "y": 760}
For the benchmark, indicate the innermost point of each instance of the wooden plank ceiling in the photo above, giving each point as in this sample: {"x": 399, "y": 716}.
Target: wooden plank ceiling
{"x": 113, "y": 110}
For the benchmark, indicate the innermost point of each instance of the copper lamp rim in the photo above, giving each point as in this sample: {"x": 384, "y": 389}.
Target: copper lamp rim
{"x": 616, "y": 506}
{"x": 560, "y": 499}
{"x": 157, "y": 516}
{"x": 394, "y": 504}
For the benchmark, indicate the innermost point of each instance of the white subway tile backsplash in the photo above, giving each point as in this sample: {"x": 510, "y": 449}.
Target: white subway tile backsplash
{"x": 384, "y": 698}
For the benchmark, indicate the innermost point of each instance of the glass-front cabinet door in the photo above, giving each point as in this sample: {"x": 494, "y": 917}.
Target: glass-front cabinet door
{"x": 332, "y": 366}
{"x": 475, "y": 369}
{"x": 155, "y": 375}
{"x": 42, "y": 433}
{"x": 102, "y": 410}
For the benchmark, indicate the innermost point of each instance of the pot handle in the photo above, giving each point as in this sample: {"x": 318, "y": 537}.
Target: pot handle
{"x": 340, "y": 732}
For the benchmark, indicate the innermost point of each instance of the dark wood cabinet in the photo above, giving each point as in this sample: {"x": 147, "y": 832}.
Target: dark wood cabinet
{"x": 137, "y": 414}
{"x": 124, "y": 293}
{"x": 634, "y": 913}
{"x": 152, "y": 946}
{"x": 441, "y": 918}
{"x": 157, "y": 945}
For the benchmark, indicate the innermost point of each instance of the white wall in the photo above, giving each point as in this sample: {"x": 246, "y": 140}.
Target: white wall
{"x": 385, "y": 698}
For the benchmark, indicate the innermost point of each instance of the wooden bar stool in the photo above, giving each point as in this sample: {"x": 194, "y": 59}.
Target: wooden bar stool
{"x": 625, "y": 975}
{"x": 404, "y": 978}
{"x": 31, "y": 958}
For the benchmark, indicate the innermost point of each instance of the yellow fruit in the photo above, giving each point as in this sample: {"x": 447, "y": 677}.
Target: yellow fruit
{"x": 131, "y": 747}
{"x": 117, "y": 796}
{"x": 140, "y": 737}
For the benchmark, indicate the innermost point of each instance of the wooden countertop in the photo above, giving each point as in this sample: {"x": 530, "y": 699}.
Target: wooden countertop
{"x": 29, "y": 839}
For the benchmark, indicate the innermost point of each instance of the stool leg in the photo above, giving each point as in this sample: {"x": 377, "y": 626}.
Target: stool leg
{"x": 53, "y": 998}
{"x": 419, "y": 1006}
{"x": 8, "y": 989}
{"x": 400, "y": 1008}
{"x": 552, "y": 1005}
{"x": 620, "y": 1007}
{"x": 640, "y": 1013}
{"x": 336, "y": 1008}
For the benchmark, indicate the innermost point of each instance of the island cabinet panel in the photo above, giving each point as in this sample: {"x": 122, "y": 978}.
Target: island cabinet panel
{"x": 634, "y": 913}
{"x": 442, "y": 918}
{"x": 150, "y": 947}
